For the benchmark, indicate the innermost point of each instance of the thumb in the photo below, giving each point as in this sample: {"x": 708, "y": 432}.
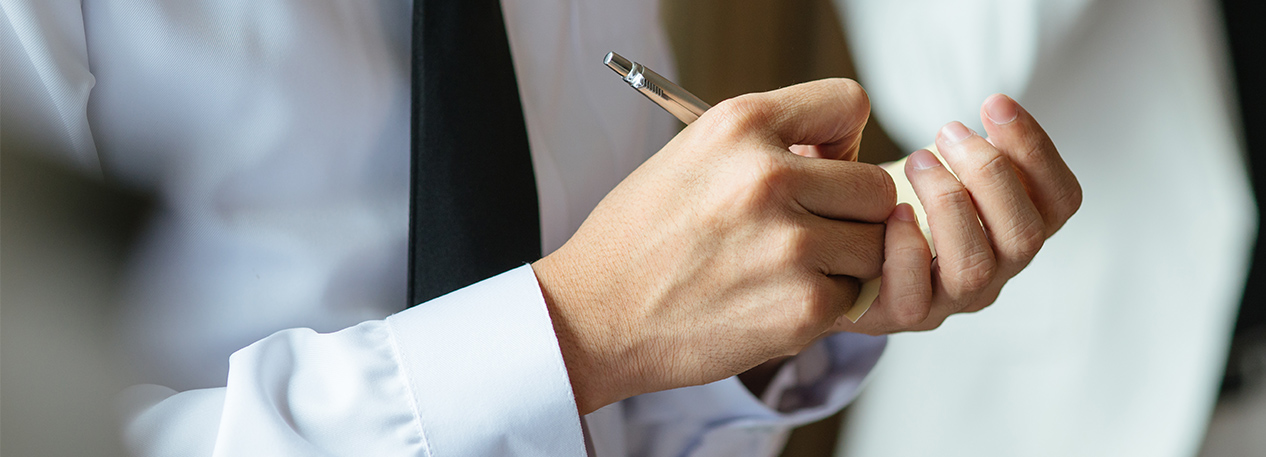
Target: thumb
{"x": 824, "y": 118}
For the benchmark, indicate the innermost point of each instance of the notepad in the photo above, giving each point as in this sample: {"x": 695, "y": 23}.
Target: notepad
{"x": 905, "y": 194}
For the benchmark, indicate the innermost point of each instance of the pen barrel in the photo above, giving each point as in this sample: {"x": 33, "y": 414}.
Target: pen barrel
{"x": 677, "y": 101}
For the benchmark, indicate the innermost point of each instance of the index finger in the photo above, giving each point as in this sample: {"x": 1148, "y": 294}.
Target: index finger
{"x": 1050, "y": 183}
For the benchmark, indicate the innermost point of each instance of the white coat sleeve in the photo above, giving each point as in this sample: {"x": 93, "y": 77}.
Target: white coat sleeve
{"x": 724, "y": 419}
{"x": 476, "y": 372}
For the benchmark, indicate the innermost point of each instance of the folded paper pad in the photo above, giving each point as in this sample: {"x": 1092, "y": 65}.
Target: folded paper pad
{"x": 905, "y": 194}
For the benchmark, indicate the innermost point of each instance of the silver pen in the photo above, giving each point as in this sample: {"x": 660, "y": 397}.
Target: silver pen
{"x": 677, "y": 101}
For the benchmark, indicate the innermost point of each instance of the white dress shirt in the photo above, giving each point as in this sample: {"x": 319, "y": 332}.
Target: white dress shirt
{"x": 1112, "y": 342}
{"x": 275, "y": 134}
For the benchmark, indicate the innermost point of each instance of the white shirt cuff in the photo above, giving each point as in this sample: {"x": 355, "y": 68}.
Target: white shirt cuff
{"x": 724, "y": 418}
{"x": 814, "y": 384}
{"x": 824, "y": 378}
{"x": 486, "y": 371}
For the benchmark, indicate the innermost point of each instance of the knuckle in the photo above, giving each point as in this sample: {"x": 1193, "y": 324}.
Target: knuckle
{"x": 776, "y": 254}
{"x": 1027, "y": 241}
{"x": 997, "y": 165}
{"x": 988, "y": 299}
{"x": 796, "y": 241}
{"x": 739, "y": 115}
{"x": 911, "y": 305}
{"x": 873, "y": 188}
{"x": 909, "y": 252}
{"x": 770, "y": 170}
{"x": 1024, "y": 239}
{"x": 1033, "y": 149}
{"x": 861, "y": 246}
{"x": 764, "y": 178}
{"x": 826, "y": 301}
{"x": 956, "y": 196}
{"x": 871, "y": 250}
{"x": 912, "y": 314}
{"x": 856, "y": 105}
{"x": 886, "y": 189}
{"x": 816, "y": 311}
{"x": 975, "y": 274}
{"x": 932, "y": 324}
{"x": 1070, "y": 202}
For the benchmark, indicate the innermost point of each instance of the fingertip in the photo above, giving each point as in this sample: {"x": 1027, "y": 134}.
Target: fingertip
{"x": 805, "y": 150}
{"x": 905, "y": 213}
{"x": 954, "y": 133}
{"x": 922, "y": 159}
{"x": 1000, "y": 109}
{"x": 903, "y": 231}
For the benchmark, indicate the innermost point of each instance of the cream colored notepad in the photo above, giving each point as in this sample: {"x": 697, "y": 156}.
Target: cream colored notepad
{"x": 905, "y": 194}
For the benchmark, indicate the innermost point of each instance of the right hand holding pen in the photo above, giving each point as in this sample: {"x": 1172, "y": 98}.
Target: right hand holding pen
{"x": 724, "y": 249}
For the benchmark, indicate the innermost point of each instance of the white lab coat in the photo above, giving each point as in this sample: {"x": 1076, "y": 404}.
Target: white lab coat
{"x": 1112, "y": 342}
{"x": 275, "y": 135}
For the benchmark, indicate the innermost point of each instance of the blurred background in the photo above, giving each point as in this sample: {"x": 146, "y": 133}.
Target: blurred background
{"x": 64, "y": 240}
{"x": 1133, "y": 333}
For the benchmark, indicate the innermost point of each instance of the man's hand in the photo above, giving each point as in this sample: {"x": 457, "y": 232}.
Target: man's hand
{"x": 1012, "y": 193}
{"x": 723, "y": 250}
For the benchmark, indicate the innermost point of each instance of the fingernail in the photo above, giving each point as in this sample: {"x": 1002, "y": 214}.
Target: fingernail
{"x": 954, "y": 132}
{"x": 904, "y": 212}
{"x": 923, "y": 159}
{"x": 1001, "y": 109}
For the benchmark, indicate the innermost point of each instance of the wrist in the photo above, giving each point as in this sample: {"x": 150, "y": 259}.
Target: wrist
{"x": 593, "y": 349}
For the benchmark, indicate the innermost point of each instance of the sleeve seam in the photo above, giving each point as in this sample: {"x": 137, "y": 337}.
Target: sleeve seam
{"x": 397, "y": 353}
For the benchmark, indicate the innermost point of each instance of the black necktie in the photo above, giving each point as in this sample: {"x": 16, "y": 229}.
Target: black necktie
{"x": 473, "y": 210}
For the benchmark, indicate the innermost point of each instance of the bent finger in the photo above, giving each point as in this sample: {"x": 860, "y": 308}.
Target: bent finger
{"x": 1051, "y": 184}
{"x": 1010, "y": 219}
{"x": 964, "y": 255}
{"x": 905, "y": 292}
{"x": 905, "y": 296}
{"x": 848, "y": 248}
{"x": 843, "y": 190}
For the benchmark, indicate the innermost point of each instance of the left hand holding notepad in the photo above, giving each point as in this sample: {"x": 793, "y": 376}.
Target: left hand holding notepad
{"x": 1012, "y": 192}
